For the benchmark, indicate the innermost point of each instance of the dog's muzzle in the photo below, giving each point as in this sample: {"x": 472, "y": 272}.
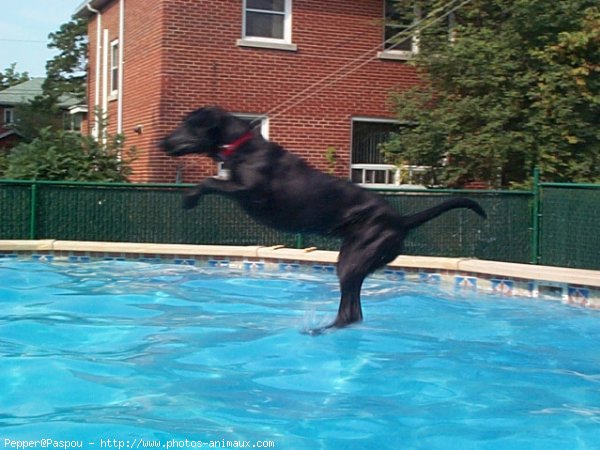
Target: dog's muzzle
{"x": 165, "y": 146}
{"x": 172, "y": 147}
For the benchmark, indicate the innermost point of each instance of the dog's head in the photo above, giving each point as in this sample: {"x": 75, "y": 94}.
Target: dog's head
{"x": 204, "y": 131}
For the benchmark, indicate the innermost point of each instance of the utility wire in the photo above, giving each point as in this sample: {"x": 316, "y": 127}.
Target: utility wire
{"x": 23, "y": 40}
{"x": 347, "y": 68}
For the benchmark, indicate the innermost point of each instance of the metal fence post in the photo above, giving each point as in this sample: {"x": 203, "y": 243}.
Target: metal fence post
{"x": 33, "y": 212}
{"x": 535, "y": 238}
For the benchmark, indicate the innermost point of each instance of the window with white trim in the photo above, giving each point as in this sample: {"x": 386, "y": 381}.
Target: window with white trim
{"x": 268, "y": 20}
{"x": 260, "y": 123}
{"x": 368, "y": 163}
{"x": 9, "y": 116}
{"x": 114, "y": 67}
{"x": 369, "y": 166}
{"x": 403, "y": 38}
{"x": 398, "y": 39}
{"x": 72, "y": 121}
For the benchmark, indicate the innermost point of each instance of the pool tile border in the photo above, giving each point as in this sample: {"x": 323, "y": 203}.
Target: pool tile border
{"x": 572, "y": 286}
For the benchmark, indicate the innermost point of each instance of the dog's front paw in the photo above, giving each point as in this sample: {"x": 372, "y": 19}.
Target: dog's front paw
{"x": 190, "y": 201}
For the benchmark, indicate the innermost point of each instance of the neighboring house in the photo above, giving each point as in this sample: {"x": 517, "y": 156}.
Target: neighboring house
{"x": 317, "y": 75}
{"x": 74, "y": 114}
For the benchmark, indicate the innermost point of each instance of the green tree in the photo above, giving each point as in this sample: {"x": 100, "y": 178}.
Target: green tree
{"x": 3, "y": 162}
{"x": 65, "y": 156}
{"x": 516, "y": 88}
{"x": 37, "y": 114}
{"x": 568, "y": 104}
{"x": 66, "y": 73}
{"x": 66, "y": 76}
{"x": 10, "y": 77}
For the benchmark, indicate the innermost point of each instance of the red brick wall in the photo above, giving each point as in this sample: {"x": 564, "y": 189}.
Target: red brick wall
{"x": 85, "y": 124}
{"x": 182, "y": 54}
{"x": 143, "y": 84}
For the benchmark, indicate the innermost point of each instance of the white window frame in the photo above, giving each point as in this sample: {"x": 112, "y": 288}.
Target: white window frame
{"x": 415, "y": 39}
{"x": 368, "y": 172}
{"x": 257, "y": 118}
{"x": 115, "y": 67}
{"x": 284, "y": 43}
{"x": 400, "y": 176}
{"x": 9, "y": 116}
{"x": 399, "y": 54}
{"x": 75, "y": 118}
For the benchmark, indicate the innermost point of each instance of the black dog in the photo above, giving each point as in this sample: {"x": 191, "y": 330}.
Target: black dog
{"x": 279, "y": 189}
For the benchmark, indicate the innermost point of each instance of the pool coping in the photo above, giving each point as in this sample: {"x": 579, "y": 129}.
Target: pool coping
{"x": 574, "y": 286}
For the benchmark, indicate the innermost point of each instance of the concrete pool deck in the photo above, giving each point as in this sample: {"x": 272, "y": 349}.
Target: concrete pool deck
{"x": 574, "y": 286}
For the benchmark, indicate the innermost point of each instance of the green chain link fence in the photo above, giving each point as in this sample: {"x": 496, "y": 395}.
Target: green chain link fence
{"x": 570, "y": 225}
{"x": 152, "y": 213}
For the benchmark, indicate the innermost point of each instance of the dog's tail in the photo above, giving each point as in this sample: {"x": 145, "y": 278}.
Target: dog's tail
{"x": 426, "y": 215}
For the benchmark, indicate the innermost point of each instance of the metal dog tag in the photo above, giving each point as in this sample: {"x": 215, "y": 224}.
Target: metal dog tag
{"x": 224, "y": 174}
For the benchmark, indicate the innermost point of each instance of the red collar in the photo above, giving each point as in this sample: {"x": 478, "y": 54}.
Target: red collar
{"x": 228, "y": 150}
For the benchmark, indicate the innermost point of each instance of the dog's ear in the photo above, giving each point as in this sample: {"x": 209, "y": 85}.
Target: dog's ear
{"x": 226, "y": 127}
{"x": 210, "y": 121}
{"x": 207, "y": 117}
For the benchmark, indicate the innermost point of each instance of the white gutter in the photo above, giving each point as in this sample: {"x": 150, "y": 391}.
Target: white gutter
{"x": 104, "y": 108}
{"x": 121, "y": 66}
{"x": 97, "y": 113}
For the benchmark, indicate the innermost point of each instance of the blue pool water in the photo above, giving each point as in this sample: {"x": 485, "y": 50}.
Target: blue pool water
{"x": 129, "y": 355}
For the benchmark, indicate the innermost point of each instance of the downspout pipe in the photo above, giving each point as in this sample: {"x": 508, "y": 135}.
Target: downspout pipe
{"x": 121, "y": 66}
{"x": 98, "y": 113}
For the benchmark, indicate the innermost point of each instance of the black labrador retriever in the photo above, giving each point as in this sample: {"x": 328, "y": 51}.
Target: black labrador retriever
{"x": 281, "y": 190}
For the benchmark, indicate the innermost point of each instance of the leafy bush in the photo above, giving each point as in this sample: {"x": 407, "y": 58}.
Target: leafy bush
{"x": 66, "y": 156}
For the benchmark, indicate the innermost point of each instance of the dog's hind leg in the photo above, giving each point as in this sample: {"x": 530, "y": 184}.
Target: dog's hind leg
{"x": 350, "y": 310}
{"x": 351, "y": 273}
{"x": 358, "y": 258}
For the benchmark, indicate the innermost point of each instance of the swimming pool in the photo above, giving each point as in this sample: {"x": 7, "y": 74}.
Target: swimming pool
{"x": 132, "y": 355}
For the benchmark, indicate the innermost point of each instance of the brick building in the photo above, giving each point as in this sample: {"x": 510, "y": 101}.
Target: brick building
{"x": 316, "y": 73}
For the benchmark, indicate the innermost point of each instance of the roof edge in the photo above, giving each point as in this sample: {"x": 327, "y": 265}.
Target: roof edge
{"x": 83, "y": 10}
{"x": 7, "y": 133}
